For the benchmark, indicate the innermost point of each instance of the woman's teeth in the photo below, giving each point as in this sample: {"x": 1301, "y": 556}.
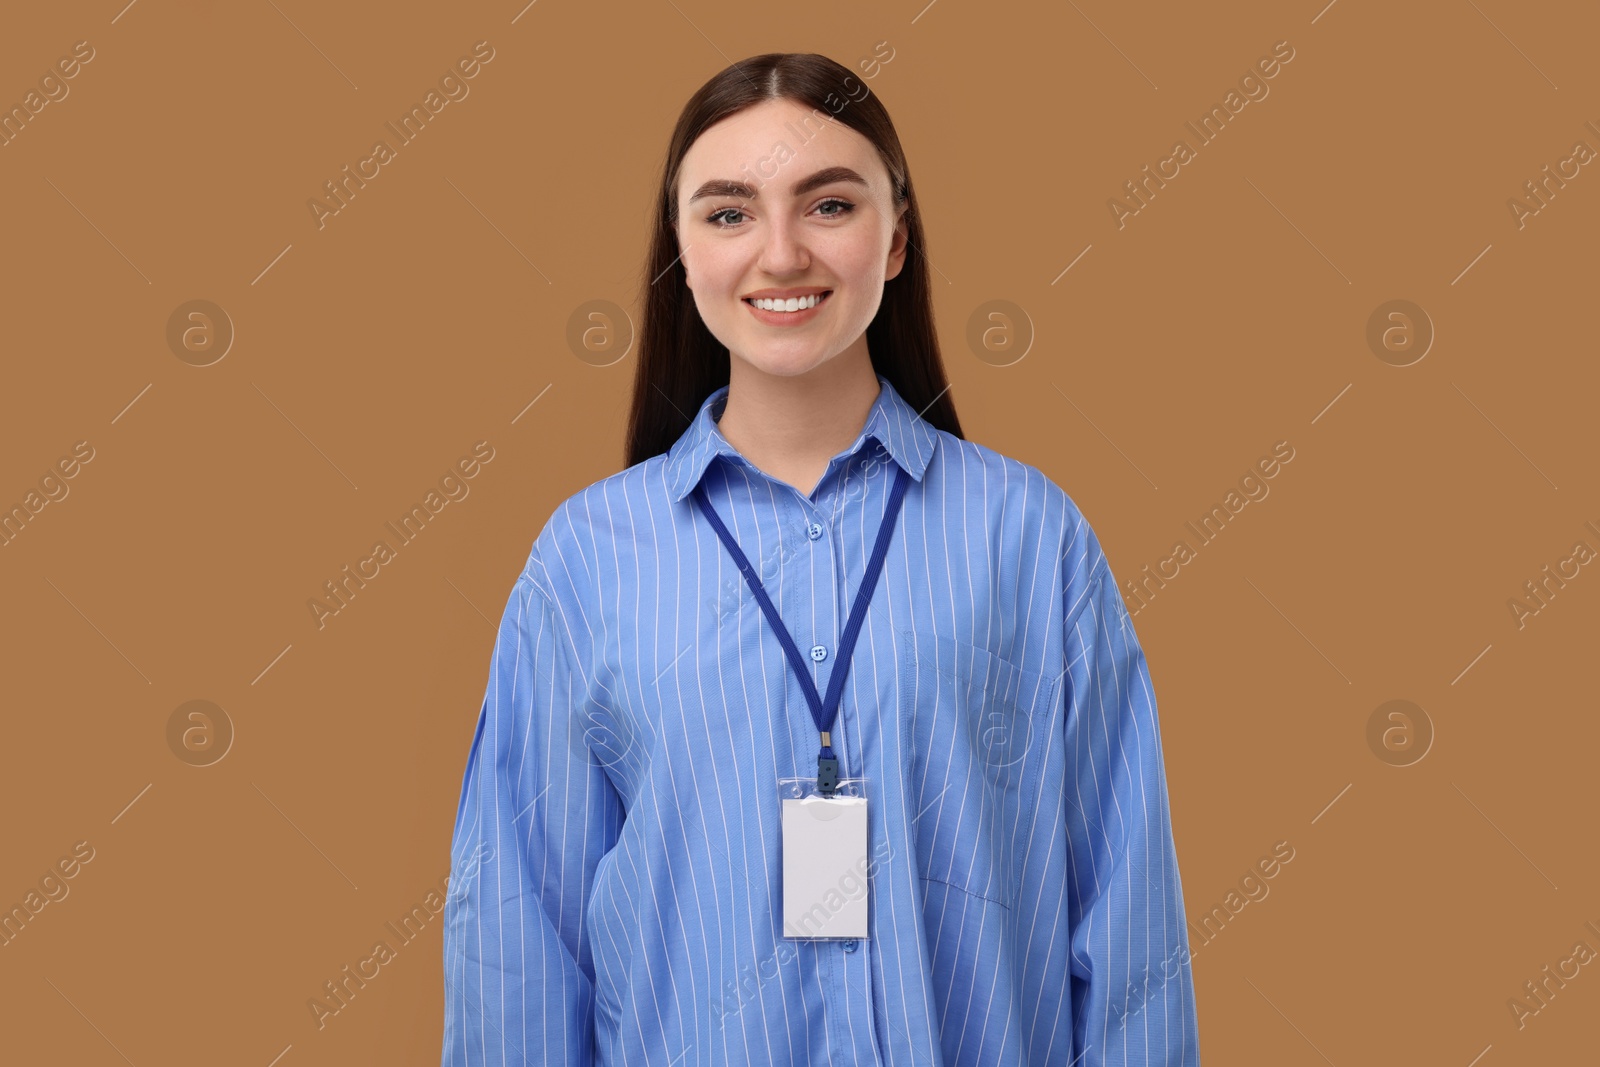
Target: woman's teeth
{"x": 798, "y": 303}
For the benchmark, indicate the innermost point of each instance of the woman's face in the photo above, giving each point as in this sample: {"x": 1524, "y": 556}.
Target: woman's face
{"x": 770, "y": 203}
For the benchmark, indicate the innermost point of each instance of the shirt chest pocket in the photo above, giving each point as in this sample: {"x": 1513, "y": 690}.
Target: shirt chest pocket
{"x": 977, "y": 730}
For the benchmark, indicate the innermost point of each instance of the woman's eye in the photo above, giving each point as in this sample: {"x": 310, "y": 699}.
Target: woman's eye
{"x": 721, "y": 218}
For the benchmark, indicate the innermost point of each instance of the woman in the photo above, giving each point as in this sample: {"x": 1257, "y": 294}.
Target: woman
{"x": 688, "y": 632}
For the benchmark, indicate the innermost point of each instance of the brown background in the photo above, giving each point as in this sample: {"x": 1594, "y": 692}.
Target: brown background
{"x": 370, "y": 354}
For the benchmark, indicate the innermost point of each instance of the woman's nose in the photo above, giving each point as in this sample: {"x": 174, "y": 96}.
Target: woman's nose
{"x": 783, "y": 249}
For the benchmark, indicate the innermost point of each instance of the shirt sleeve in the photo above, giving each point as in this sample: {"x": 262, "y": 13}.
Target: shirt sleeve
{"x": 536, "y": 815}
{"x": 1131, "y": 986}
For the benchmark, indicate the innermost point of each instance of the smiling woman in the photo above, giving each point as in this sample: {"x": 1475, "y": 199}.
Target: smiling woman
{"x": 806, "y": 570}
{"x": 800, "y": 195}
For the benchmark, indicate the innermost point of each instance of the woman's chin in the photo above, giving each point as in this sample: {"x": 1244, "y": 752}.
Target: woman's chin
{"x": 784, "y": 361}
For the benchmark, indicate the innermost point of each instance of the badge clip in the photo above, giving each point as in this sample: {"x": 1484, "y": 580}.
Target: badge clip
{"x": 827, "y": 769}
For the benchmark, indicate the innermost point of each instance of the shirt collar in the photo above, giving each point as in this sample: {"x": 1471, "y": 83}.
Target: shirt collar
{"x": 908, "y": 438}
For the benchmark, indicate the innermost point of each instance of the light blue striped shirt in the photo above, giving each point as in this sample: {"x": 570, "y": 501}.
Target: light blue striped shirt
{"x": 616, "y": 880}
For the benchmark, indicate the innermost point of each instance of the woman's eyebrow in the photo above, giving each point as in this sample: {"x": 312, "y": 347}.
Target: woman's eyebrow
{"x": 742, "y": 190}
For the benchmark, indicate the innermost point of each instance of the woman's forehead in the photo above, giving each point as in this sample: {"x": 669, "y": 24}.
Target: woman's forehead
{"x": 777, "y": 135}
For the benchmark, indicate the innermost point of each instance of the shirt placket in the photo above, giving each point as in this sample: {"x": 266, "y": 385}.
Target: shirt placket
{"x": 842, "y": 965}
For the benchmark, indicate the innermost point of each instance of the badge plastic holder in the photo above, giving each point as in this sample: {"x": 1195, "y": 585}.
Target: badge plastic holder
{"x": 825, "y": 860}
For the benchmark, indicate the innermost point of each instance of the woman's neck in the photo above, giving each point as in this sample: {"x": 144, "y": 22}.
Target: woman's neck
{"x": 791, "y": 426}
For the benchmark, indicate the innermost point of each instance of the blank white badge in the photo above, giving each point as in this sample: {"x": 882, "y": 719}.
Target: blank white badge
{"x": 824, "y": 867}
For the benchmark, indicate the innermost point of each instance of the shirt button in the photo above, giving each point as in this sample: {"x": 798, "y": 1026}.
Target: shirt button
{"x": 814, "y": 531}
{"x": 850, "y": 946}
{"x": 818, "y": 653}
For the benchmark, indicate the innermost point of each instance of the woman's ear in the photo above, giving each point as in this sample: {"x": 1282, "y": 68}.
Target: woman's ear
{"x": 898, "y": 243}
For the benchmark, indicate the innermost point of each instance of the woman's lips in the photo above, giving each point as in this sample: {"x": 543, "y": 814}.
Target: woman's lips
{"x": 789, "y": 318}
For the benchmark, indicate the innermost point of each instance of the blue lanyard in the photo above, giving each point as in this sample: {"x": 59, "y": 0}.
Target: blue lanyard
{"x": 822, "y": 712}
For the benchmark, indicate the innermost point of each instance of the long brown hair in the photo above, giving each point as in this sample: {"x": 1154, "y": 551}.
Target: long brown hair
{"x": 680, "y": 361}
